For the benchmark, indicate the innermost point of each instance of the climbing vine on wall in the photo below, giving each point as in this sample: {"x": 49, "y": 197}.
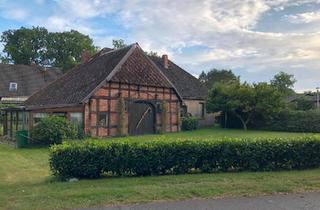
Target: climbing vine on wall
{"x": 121, "y": 130}
{"x": 164, "y": 116}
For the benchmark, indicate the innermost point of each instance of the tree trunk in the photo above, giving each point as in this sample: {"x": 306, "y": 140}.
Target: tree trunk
{"x": 244, "y": 123}
{"x": 225, "y": 119}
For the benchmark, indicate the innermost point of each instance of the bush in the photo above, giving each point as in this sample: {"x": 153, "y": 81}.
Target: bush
{"x": 190, "y": 123}
{"x": 92, "y": 159}
{"x": 295, "y": 121}
{"x": 52, "y": 130}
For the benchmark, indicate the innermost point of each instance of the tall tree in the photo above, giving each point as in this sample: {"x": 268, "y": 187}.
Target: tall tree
{"x": 65, "y": 48}
{"x": 59, "y": 49}
{"x": 24, "y": 46}
{"x": 284, "y": 83}
{"x": 118, "y": 43}
{"x": 214, "y": 76}
{"x": 245, "y": 101}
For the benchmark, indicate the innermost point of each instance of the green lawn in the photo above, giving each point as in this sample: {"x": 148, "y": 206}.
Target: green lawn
{"x": 26, "y": 183}
{"x": 216, "y": 132}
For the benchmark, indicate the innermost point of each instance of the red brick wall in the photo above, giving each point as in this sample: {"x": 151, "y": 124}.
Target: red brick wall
{"x": 106, "y": 99}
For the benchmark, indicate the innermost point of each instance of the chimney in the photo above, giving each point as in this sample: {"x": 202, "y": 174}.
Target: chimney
{"x": 85, "y": 57}
{"x": 165, "y": 61}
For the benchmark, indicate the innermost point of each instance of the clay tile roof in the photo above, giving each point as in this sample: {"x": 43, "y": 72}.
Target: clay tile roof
{"x": 74, "y": 86}
{"x": 187, "y": 85}
{"x": 127, "y": 65}
{"x": 29, "y": 79}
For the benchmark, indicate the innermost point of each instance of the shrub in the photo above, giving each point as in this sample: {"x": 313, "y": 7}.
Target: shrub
{"x": 92, "y": 159}
{"x": 190, "y": 123}
{"x": 51, "y": 130}
{"x": 295, "y": 121}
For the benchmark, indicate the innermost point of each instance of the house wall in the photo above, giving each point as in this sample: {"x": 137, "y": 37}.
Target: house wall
{"x": 194, "y": 107}
{"x": 106, "y": 98}
{"x": 197, "y": 108}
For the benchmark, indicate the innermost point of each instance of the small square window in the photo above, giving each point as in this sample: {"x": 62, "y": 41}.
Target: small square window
{"x": 103, "y": 119}
{"x": 13, "y": 86}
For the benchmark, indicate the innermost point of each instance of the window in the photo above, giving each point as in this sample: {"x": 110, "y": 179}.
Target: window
{"x": 76, "y": 119}
{"x": 38, "y": 116}
{"x": 103, "y": 119}
{"x": 59, "y": 114}
{"x": 13, "y": 86}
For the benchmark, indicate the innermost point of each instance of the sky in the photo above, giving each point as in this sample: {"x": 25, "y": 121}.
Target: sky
{"x": 254, "y": 38}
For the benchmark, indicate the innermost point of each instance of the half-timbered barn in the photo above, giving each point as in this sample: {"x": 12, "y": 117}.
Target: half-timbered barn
{"x": 121, "y": 89}
{"x": 89, "y": 95}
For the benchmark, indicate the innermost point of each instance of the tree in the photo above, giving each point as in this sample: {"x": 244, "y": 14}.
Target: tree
{"x": 214, "y": 76}
{"x": 245, "y": 101}
{"x": 24, "y": 46}
{"x": 65, "y": 48}
{"x": 118, "y": 43}
{"x": 152, "y": 54}
{"x": 284, "y": 83}
{"x": 58, "y": 49}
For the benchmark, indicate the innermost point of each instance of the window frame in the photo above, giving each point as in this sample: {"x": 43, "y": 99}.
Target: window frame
{"x": 99, "y": 119}
{"x": 13, "y": 86}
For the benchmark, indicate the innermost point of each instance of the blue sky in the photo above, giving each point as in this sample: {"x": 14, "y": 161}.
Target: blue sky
{"x": 254, "y": 38}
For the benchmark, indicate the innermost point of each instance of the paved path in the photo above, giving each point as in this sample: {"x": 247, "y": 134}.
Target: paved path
{"x": 305, "y": 201}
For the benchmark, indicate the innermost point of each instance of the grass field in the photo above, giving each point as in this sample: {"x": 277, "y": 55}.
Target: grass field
{"x": 216, "y": 132}
{"x": 26, "y": 183}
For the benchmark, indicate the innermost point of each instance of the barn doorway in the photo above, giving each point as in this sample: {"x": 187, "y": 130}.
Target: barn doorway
{"x": 141, "y": 118}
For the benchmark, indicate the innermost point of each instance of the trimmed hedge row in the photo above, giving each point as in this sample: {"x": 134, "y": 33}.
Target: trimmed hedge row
{"x": 92, "y": 159}
{"x": 296, "y": 121}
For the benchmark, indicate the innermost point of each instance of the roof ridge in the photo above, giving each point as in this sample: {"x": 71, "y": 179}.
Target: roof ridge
{"x": 173, "y": 86}
{"x": 114, "y": 70}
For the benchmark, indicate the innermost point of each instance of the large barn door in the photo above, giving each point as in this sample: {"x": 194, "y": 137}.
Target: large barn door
{"x": 141, "y": 118}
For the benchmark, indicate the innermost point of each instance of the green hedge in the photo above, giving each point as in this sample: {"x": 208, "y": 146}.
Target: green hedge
{"x": 295, "y": 121}
{"x": 92, "y": 159}
{"x": 190, "y": 123}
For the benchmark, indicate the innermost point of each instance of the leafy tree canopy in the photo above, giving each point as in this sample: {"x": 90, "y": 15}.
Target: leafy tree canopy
{"x": 65, "y": 48}
{"x": 245, "y": 100}
{"x": 58, "y": 49}
{"x": 284, "y": 83}
{"x": 214, "y": 76}
{"x": 23, "y": 46}
{"x": 118, "y": 43}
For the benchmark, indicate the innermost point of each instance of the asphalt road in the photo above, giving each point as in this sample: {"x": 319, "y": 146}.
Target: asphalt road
{"x": 305, "y": 201}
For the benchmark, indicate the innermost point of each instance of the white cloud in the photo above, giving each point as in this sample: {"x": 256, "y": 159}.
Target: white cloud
{"x": 15, "y": 13}
{"x": 87, "y": 8}
{"x": 307, "y": 17}
{"x": 225, "y": 29}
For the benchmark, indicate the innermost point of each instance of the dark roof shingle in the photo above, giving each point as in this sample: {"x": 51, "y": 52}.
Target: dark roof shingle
{"x": 29, "y": 79}
{"x": 127, "y": 65}
{"x": 74, "y": 86}
{"x": 138, "y": 69}
{"x": 187, "y": 85}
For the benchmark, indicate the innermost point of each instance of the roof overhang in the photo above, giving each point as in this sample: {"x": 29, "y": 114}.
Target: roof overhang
{"x": 38, "y": 107}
